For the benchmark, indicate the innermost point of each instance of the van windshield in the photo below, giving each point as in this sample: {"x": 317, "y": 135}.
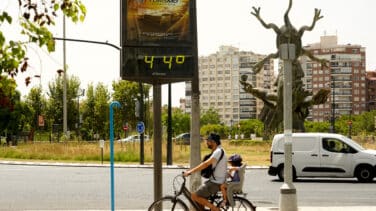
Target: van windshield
{"x": 354, "y": 143}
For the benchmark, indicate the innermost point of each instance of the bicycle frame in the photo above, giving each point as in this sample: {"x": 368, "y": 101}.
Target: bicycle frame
{"x": 216, "y": 199}
{"x": 184, "y": 190}
{"x": 187, "y": 195}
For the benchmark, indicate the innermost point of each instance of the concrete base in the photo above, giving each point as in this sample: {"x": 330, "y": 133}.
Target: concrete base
{"x": 288, "y": 199}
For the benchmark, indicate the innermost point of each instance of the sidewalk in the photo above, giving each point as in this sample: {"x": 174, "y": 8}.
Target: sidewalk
{"x": 322, "y": 208}
{"x": 312, "y": 209}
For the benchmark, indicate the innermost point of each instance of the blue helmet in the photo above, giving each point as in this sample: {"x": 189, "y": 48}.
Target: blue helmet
{"x": 235, "y": 158}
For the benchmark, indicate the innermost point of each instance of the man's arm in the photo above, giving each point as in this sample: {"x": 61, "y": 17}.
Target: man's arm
{"x": 199, "y": 167}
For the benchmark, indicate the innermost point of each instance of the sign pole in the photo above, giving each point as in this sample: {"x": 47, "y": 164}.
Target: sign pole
{"x": 288, "y": 201}
{"x": 157, "y": 143}
{"x": 112, "y": 105}
{"x": 195, "y": 179}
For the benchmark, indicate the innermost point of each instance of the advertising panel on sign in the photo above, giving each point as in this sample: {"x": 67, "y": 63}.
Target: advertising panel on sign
{"x": 157, "y": 41}
{"x": 157, "y": 21}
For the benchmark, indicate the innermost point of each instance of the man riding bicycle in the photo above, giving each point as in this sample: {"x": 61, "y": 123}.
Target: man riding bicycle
{"x": 212, "y": 185}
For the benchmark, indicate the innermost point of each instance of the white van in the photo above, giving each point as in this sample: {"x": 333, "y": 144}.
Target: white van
{"x": 323, "y": 155}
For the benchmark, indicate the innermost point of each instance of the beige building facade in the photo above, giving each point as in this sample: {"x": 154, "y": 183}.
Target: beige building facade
{"x": 219, "y": 76}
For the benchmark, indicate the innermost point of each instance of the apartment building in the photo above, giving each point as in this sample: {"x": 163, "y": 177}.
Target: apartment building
{"x": 345, "y": 76}
{"x": 371, "y": 90}
{"x": 219, "y": 76}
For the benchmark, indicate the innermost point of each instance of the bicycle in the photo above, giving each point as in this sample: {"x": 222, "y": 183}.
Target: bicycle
{"x": 176, "y": 203}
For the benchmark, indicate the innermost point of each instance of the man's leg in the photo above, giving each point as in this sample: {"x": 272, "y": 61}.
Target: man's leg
{"x": 203, "y": 193}
{"x": 204, "y": 202}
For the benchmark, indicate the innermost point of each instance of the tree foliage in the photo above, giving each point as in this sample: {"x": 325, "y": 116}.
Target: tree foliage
{"x": 36, "y": 102}
{"x": 251, "y": 126}
{"x": 55, "y": 102}
{"x": 9, "y": 97}
{"x": 210, "y": 116}
{"x": 180, "y": 121}
{"x": 127, "y": 93}
{"x": 34, "y": 19}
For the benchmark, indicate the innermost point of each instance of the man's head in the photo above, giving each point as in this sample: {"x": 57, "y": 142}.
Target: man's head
{"x": 213, "y": 141}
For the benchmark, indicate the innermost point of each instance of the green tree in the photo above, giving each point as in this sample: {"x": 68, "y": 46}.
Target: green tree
{"x": 316, "y": 126}
{"x": 14, "y": 114}
{"x": 8, "y": 99}
{"x": 20, "y": 118}
{"x": 214, "y": 128}
{"x": 101, "y": 111}
{"x": 36, "y": 102}
{"x": 88, "y": 117}
{"x": 180, "y": 121}
{"x": 251, "y": 126}
{"x": 210, "y": 116}
{"x": 55, "y": 101}
{"x": 126, "y": 93}
{"x": 34, "y": 19}
{"x": 95, "y": 112}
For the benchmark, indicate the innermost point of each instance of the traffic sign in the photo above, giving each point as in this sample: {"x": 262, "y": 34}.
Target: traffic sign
{"x": 140, "y": 127}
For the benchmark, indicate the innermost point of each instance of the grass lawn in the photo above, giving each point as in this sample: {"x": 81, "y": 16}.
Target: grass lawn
{"x": 253, "y": 152}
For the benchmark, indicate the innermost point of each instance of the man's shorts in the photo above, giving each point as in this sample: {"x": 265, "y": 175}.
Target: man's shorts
{"x": 207, "y": 189}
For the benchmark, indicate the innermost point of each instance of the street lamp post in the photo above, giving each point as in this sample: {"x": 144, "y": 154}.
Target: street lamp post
{"x": 65, "y": 110}
{"x": 231, "y": 122}
{"x": 333, "y": 118}
{"x": 65, "y": 122}
{"x": 81, "y": 92}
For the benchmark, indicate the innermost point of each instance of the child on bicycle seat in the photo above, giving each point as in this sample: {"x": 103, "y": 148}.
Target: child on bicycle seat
{"x": 235, "y": 162}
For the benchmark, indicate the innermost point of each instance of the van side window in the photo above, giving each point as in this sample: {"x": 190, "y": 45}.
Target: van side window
{"x": 335, "y": 145}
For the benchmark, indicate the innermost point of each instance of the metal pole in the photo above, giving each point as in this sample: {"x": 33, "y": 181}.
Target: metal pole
{"x": 112, "y": 105}
{"x": 78, "y": 116}
{"x": 142, "y": 120}
{"x": 169, "y": 128}
{"x": 288, "y": 201}
{"x": 157, "y": 144}
{"x": 195, "y": 158}
{"x": 333, "y": 106}
{"x": 350, "y": 122}
{"x": 65, "y": 126}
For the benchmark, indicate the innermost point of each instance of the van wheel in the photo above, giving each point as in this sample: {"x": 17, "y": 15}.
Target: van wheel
{"x": 364, "y": 174}
{"x": 280, "y": 173}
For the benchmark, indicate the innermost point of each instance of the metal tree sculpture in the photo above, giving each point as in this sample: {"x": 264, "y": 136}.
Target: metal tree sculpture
{"x": 272, "y": 112}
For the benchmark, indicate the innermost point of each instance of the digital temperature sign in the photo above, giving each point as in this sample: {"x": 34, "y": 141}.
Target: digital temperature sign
{"x": 151, "y": 65}
{"x": 157, "y": 40}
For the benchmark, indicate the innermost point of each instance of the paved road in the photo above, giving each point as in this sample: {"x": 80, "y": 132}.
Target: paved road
{"x": 49, "y": 187}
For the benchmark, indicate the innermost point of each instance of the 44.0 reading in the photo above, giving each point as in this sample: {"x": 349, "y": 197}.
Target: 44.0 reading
{"x": 168, "y": 60}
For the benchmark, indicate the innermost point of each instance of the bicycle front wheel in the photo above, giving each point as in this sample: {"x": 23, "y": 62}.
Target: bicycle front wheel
{"x": 240, "y": 204}
{"x": 168, "y": 203}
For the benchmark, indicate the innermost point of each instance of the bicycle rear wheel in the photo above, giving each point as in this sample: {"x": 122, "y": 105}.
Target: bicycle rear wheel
{"x": 168, "y": 203}
{"x": 240, "y": 204}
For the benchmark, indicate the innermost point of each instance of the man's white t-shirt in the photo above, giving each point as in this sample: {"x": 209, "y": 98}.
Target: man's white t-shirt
{"x": 220, "y": 171}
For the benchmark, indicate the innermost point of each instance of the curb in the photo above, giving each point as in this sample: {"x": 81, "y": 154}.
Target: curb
{"x": 30, "y": 163}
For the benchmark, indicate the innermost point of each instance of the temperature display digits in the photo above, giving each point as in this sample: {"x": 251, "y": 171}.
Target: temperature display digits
{"x": 169, "y": 61}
